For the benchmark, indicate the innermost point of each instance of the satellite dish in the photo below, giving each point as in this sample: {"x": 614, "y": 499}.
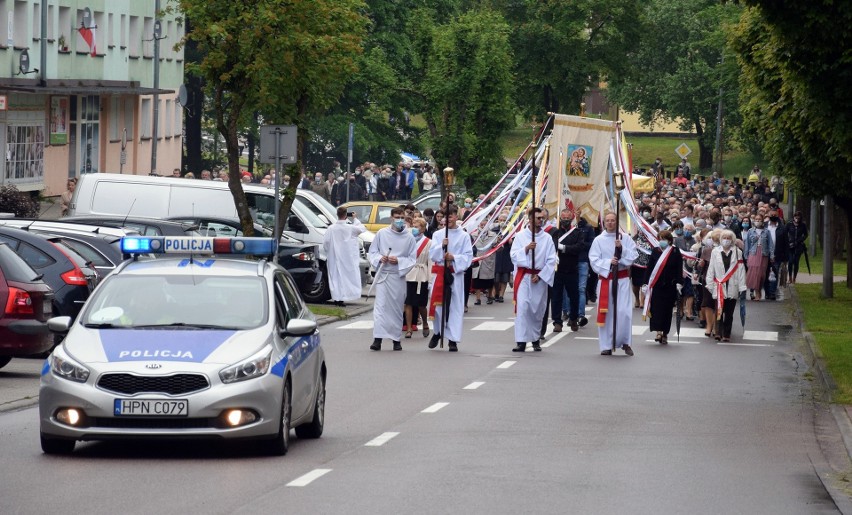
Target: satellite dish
{"x": 182, "y": 95}
{"x": 87, "y": 18}
{"x": 158, "y": 29}
{"x": 24, "y": 62}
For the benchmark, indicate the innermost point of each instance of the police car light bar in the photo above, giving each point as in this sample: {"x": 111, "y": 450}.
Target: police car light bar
{"x": 197, "y": 245}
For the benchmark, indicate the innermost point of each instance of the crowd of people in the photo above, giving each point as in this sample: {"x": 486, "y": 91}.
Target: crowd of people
{"x": 716, "y": 242}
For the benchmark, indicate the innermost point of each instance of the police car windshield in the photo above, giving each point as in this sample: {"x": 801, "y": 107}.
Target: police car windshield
{"x": 205, "y": 302}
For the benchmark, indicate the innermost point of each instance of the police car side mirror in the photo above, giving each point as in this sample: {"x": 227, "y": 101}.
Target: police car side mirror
{"x": 59, "y": 325}
{"x": 300, "y": 327}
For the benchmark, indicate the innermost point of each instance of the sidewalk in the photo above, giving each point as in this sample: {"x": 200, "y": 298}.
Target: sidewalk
{"x": 49, "y": 209}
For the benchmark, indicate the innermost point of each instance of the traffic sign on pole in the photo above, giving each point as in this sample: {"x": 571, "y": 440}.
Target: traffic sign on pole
{"x": 286, "y": 136}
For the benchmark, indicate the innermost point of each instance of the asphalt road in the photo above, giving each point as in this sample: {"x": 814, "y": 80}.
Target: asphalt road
{"x": 694, "y": 427}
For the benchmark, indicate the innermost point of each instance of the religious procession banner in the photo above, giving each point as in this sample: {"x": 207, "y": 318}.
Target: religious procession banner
{"x": 578, "y": 162}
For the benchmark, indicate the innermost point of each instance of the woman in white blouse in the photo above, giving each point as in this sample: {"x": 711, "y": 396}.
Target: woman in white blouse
{"x": 726, "y": 278}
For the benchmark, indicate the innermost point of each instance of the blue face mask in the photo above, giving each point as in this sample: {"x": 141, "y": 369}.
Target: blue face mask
{"x": 679, "y": 232}
{"x": 687, "y": 234}
{"x": 399, "y": 225}
{"x": 746, "y": 225}
{"x": 467, "y": 204}
{"x": 415, "y": 232}
{"x": 663, "y": 244}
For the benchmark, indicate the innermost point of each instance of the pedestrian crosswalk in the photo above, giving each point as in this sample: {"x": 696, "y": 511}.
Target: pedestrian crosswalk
{"x": 689, "y": 335}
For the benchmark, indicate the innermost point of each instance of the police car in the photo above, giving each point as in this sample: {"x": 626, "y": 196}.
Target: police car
{"x": 197, "y": 346}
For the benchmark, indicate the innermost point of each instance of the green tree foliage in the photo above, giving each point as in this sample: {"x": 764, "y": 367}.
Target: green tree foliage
{"x": 287, "y": 60}
{"x": 677, "y": 69}
{"x": 467, "y": 92}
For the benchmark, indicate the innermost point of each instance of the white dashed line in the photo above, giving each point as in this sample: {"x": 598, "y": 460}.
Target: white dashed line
{"x": 435, "y": 407}
{"x": 474, "y": 385}
{"x": 361, "y": 324}
{"x": 506, "y": 364}
{"x": 555, "y": 339}
{"x": 309, "y": 477}
{"x": 761, "y": 335}
{"x": 745, "y": 344}
{"x": 381, "y": 439}
{"x": 585, "y": 338}
{"x": 674, "y": 340}
{"x": 478, "y": 318}
{"x": 493, "y": 326}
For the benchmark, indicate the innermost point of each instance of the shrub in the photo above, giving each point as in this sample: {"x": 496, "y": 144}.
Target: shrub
{"x": 17, "y": 202}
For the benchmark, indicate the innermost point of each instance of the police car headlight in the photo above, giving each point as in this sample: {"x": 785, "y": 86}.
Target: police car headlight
{"x": 67, "y": 369}
{"x": 255, "y": 366}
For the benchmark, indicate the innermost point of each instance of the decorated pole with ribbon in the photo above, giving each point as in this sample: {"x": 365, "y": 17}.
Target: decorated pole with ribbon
{"x": 446, "y": 183}
{"x": 618, "y": 184}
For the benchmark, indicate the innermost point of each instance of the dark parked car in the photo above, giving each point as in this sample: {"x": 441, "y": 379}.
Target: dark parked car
{"x": 299, "y": 259}
{"x": 27, "y": 303}
{"x": 64, "y": 270}
{"x": 143, "y": 226}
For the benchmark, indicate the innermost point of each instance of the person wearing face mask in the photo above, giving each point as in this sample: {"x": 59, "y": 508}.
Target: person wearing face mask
{"x": 392, "y": 253}
{"x": 338, "y": 192}
{"x": 797, "y": 233}
{"x": 384, "y": 190}
{"x": 684, "y": 241}
{"x": 361, "y": 181}
{"x": 340, "y": 243}
{"x": 663, "y": 282}
{"x": 417, "y": 282}
{"x": 569, "y": 242}
{"x": 756, "y": 252}
{"x": 318, "y": 187}
{"x": 778, "y": 259}
{"x": 727, "y": 279}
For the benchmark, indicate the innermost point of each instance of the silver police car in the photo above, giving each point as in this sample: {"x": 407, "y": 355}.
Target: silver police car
{"x": 200, "y": 346}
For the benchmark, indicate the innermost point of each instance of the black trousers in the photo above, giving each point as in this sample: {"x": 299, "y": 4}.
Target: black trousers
{"x": 727, "y": 321}
{"x": 565, "y": 283}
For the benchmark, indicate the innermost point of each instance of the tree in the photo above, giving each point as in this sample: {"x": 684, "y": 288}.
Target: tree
{"x": 287, "y": 60}
{"x": 677, "y": 69}
{"x": 796, "y": 72}
{"x": 467, "y": 93}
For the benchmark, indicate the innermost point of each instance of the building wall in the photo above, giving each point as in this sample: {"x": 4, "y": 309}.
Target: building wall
{"x": 107, "y": 84}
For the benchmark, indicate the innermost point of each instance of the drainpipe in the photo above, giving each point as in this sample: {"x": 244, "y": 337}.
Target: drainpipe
{"x": 43, "y": 44}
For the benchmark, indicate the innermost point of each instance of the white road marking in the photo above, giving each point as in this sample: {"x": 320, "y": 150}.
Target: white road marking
{"x": 309, "y": 477}
{"x": 493, "y": 326}
{"x": 361, "y": 324}
{"x": 690, "y": 332}
{"x": 435, "y": 407}
{"x": 674, "y": 340}
{"x": 761, "y": 335}
{"x": 638, "y": 329}
{"x": 745, "y": 344}
{"x": 555, "y": 339}
{"x": 506, "y": 364}
{"x": 585, "y": 338}
{"x": 474, "y": 385}
{"x": 381, "y": 439}
{"x": 478, "y": 318}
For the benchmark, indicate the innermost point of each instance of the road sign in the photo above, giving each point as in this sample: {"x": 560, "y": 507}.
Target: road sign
{"x": 288, "y": 144}
{"x": 683, "y": 150}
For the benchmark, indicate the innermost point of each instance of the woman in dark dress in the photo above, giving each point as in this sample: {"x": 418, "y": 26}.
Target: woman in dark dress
{"x": 663, "y": 284}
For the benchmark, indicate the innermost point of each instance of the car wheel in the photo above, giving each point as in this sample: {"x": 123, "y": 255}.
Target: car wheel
{"x": 4, "y": 360}
{"x": 319, "y": 292}
{"x": 56, "y": 445}
{"x": 281, "y": 444}
{"x": 313, "y": 429}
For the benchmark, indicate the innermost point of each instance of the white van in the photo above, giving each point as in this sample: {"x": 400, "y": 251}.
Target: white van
{"x": 170, "y": 197}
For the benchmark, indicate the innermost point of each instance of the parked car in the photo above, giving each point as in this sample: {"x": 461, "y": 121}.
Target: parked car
{"x": 65, "y": 271}
{"x": 27, "y": 304}
{"x": 97, "y": 244}
{"x": 302, "y": 261}
{"x": 142, "y": 225}
{"x": 374, "y": 215}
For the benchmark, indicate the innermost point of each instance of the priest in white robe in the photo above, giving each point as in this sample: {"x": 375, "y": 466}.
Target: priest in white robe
{"x": 601, "y": 259}
{"x": 532, "y": 280}
{"x": 392, "y": 253}
{"x": 459, "y": 257}
{"x": 340, "y": 243}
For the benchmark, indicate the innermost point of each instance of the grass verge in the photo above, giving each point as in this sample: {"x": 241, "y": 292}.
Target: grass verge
{"x": 331, "y": 311}
{"x": 817, "y": 268}
{"x": 827, "y": 320}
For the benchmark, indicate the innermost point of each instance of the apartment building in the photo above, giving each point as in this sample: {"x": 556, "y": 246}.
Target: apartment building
{"x": 78, "y": 93}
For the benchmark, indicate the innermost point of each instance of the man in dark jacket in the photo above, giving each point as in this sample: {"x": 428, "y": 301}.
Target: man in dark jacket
{"x": 570, "y": 243}
{"x": 781, "y": 248}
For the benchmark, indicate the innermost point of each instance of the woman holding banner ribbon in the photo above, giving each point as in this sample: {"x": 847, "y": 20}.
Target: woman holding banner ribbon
{"x": 663, "y": 282}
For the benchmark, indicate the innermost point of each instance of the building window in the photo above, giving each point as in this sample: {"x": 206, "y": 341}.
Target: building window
{"x": 169, "y": 118}
{"x": 36, "y": 21}
{"x": 111, "y": 30}
{"x": 178, "y": 120}
{"x": 168, "y": 44}
{"x": 100, "y": 40}
{"x": 24, "y": 153}
{"x": 135, "y": 43}
{"x": 65, "y": 27}
{"x": 51, "y": 24}
{"x": 114, "y": 111}
{"x": 148, "y": 33}
{"x": 145, "y": 115}
{"x": 129, "y": 105}
{"x": 90, "y": 134}
{"x": 20, "y": 24}
{"x": 122, "y": 32}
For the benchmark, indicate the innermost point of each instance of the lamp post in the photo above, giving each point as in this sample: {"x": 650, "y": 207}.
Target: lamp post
{"x": 618, "y": 180}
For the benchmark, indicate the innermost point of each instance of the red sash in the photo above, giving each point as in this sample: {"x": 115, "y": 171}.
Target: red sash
{"x": 437, "y": 297}
{"x": 603, "y": 295}
{"x": 422, "y": 245}
{"x": 522, "y": 271}
{"x": 655, "y": 276}
{"x": 720, "y": 287}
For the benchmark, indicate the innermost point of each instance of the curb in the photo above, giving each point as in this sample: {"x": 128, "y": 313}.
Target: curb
{"x": 841, "y": 416}
{"x": 27, "y": 402}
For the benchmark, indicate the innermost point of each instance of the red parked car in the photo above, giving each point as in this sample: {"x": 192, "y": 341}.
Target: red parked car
{"x": 26, "y": 303}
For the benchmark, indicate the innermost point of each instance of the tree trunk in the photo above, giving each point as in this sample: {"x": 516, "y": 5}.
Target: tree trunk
{"x": 194, "y": 111}
{"x": 705, "y": 152}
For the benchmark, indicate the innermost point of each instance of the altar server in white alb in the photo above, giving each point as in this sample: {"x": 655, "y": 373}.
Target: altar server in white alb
{"x": 535, "y": 267}
{"x": 341, "y": 248}
{"x": 602, "y": 259}
{"x": 458, "y": 257}
{"x": 392, "y": 253}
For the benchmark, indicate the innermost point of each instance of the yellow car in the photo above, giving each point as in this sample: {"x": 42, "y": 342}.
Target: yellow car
{"x": 374, "y": 215}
